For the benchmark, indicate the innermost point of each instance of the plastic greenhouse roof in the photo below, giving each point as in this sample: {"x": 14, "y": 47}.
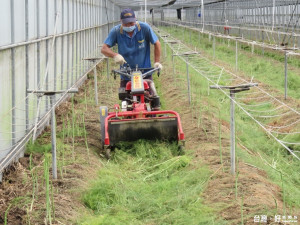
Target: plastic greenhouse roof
{"x": 216, "y": 4}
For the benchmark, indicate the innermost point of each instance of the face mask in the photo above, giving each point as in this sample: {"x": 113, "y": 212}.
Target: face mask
{"x": 129, "y": 29}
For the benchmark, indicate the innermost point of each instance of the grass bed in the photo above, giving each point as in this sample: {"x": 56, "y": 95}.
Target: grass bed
{"x": 267, "y": 68}
{"x": 147, "y": 183}
{"x": 268, "y": 155}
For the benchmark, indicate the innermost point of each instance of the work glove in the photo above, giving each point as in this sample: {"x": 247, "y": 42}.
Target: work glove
{"x": 158, "y": 65}
{"x": 119, "y": 59}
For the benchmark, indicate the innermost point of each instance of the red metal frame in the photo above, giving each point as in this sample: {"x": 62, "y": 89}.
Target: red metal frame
{"x": 142, "y": 115}
{"x": 140, "y": 112}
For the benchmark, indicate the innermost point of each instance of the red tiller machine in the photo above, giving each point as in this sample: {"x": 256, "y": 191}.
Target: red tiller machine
{"x": 139, "y": 116}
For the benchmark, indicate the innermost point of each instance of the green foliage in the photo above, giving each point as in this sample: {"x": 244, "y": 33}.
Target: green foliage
{"x": 38, "y": 147}
{"x": 267, "y": 68}
{"x": 268, "y": 154}
{"x": 147, "y": 183}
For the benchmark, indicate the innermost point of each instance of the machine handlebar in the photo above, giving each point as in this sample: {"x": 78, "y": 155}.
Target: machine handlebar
{"x": 128, "y": 74}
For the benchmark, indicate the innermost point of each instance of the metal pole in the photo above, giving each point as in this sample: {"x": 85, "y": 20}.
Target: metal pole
{"x": 273, "y": 19}
{"x": 263, "y": 41}
{"x": 107, "y": 67}
{"x": 285, "y": 75}
{"x": 153, "y": 16}
{"x": 233, "y": 90}
{"x": 236, "y": 55}
{"x": 68, "y": 45}
{"x": 53, "y": 138}
{"x": 232, "y": 134}
{"x": 73, "y": 46}
{"x": 165, "y": 49}
{"x": 27, "y": 62}
{"x": 47, "y": 50}
{"x": 214, "y": 46}
{"x": 202, "y": 14}
{"x": 173, "y": 64}
{"x": 81, "y": 37}
{"x": 38, "y": 44}
{"x": 145, "y": 11}
{"x": 96, "y": 84}
{"x": 62, "y": 77}
{"x": 188, "y": 82}
{"x": 13, "y": 72}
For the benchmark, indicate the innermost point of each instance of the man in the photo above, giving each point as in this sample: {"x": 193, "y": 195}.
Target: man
{"x": 133, "y": 39}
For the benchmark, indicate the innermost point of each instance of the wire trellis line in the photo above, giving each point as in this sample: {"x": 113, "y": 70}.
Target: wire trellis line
{"x": 197, "y": 67}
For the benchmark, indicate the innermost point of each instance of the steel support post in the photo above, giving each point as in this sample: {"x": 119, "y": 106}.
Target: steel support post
{"x": 236, "y": 55}
{"x": 13, "y": 73}
{"x": 73, "y": 45}
{"x": 152, "y": 16}
{"x": 47, "y": 51}
{"x": 38, "y": 43}
{"x": 252, "y": 49}
{"x": 107, "y": 67}
{"x": 96, "y": 85}
{"x": 263, "y": 41}
{"x": 145, "y": 11}
{"x": 80, "y": 37}
{"x": 68, "y": 46}
{"x": 173, "y": 64}
{"x": 233, "y": 90}
{"x": 55, "y": 51}
{"x": 202, "y": 14}
{"x": 165, "y": 49}
{"x": 51, "y": 95}
{"x": 273, "y": 15}
{"x": 214, "y": 46}
{"x": 188, "y": 81}
{"x": 285, "y": 75}
{"x": 232, "y": 133}
{"x": 62, "y": 48}
{"x": 27, "y": 63}
{"x": 53, "y": 138}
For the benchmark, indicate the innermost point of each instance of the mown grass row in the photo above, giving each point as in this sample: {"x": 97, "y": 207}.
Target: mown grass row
{"x": 268, "y": 155}
{"x": 148, "y": 183}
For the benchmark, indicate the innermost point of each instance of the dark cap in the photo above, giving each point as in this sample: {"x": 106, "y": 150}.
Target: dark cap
{"x": 127, "y": 16}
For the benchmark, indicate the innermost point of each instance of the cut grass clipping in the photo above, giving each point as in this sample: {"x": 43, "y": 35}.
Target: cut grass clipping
{"x": 148, "y": 183}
